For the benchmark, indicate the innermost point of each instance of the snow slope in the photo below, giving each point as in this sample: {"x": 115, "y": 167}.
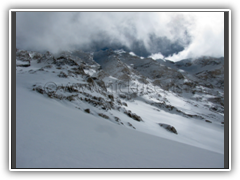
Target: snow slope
{"x": 54, "y": 135}
{"x": 53, "y": 130}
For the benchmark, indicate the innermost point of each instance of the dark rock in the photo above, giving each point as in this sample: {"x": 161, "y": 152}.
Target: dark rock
{"x": 23, "y": 55}
{"x": 119, "y": 102}
{"x": 217, "y": 108}
{"x": 101, "y": 84}
{"x": 57, "y": 96}
{"x": 71, "y": 89}
{"x": 136, "y": 117}
{"x": 193, "y": 116}
{"x": 62, "y": 75}
{"x": 172, "y": 129}
{"x": 79, "y": 70}
{"x": 90, "y": 80}
{"x": 111, "y": 97}
{"x": 169, "y": 128}
{"x": 23, "y": 65}
{"x": 128, "y": 113}
{"x": 131, "y": 125}
{"x": 71, "y": 98}
{"x": 87, "y": 110}
{"x": 48, "y": 66}
{"x": 61, "y": 57}
{"x": 40, "y": 89}
{"x": 217, "y": 100}
{"x": 123, "y": 96}
{"x": 125, "y": 104}
{"x": 208, "y": 121}
{"x": 174, "y": 110}
{"x": 117, "y": 119}
{"x": 119, "y": 122}
{"x": 37, "y": 56}
{"x": 133, "y": 115}
{"x": 209, "y": 85}
{"x": 103, "y": 115}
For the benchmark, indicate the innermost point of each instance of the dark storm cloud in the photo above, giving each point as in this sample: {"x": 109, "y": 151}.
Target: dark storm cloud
{"x": 165, "y": 46}
{"x": 143, "y": 33}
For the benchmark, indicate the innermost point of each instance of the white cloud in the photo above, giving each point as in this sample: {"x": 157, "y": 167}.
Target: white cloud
{"x": 207, "y": 36}
{"x": 156, "y": 56}
{"x": 57, "y": 31}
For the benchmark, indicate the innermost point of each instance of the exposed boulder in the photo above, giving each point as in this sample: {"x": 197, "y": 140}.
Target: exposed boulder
{"x": 111, "y": 97}
{"x": 169, "y": 128}
{"x": 87, "y": 110}
{"x": 123, "y": 96}
{"x": 136, "y": 117}
{"x": 133, "y": 115}
{"x": 208, "y": 121}
{"x": 125, "y": 104}
{"x": 103, "y": 115}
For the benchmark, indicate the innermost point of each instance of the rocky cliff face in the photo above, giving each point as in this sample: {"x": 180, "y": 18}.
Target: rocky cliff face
{"x": 208, "y": 69}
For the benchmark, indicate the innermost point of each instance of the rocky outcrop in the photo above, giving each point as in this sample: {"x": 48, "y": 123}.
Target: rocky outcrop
{"x": 62, "y": 75}
{"x": 208, "y": 121}
{"x": 103, "y": 115}
{"x": 91, "y": 87}
{"x": 174, "y": 110}
{"x": 129, "y": 124}
{"x": 133, "y": 115}
{"x": 217, "y": 100}
{"x": 23, "y": 55}
{"x": 169, "y": 128}
{"x": 79, "y": 70}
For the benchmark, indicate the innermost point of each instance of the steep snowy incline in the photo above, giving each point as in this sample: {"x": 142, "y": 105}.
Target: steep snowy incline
{"x": 55, "y": 135}
{"x": 74, "y": 112}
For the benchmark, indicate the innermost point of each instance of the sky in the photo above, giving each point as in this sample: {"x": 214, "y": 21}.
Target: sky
{"x": 170, "y": 35}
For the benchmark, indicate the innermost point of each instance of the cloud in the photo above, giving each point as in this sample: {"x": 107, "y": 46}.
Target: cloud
{"x": 172, "y": 34}
{"x": 156, "y": 56}
{"x": 207, "y": 37}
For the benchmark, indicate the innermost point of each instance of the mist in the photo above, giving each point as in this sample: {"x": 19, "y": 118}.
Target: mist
{"x": 170, "y": 35}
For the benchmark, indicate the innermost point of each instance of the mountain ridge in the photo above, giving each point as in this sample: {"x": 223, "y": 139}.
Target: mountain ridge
{"x": 118, "y": 87}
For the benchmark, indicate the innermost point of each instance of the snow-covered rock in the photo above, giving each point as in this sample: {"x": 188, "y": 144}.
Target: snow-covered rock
{"x": 115, "y": 92}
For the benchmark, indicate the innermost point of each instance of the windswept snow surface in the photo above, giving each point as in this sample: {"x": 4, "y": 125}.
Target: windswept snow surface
{"x": 53, "y": 135}
{"x": 58, "y": 133}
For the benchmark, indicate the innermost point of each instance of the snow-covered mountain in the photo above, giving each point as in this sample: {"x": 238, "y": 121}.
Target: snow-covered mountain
{"x": 113, "y": 109}
{"x": 208, "y": 69}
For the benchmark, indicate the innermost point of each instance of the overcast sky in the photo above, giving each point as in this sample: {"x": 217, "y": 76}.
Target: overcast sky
{"x": 173, "y": 35}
